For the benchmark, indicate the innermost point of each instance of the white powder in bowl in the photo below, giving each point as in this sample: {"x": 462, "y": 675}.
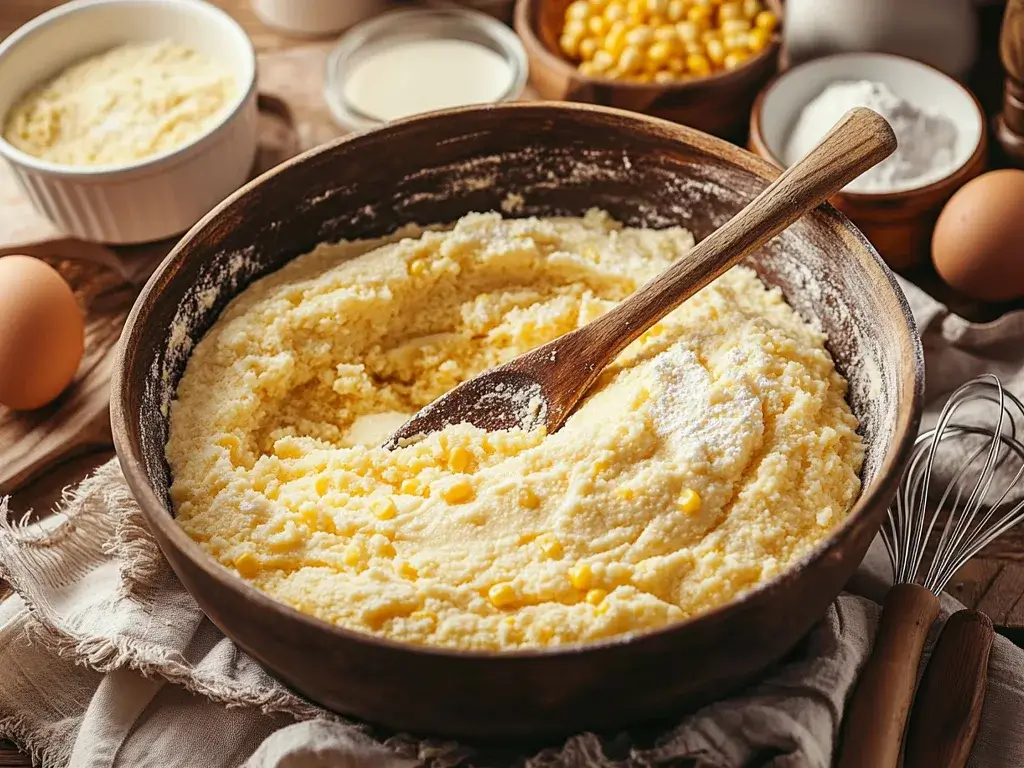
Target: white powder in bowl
{"x": 927, "y": 140}
{"x": 413, "y": 76}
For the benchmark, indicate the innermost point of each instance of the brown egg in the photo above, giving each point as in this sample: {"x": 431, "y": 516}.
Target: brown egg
{"x": 978, "y": 244}
{"x": 42, "y": 333}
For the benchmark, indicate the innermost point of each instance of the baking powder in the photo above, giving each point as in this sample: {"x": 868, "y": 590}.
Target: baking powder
{"x": 926, "y": 140}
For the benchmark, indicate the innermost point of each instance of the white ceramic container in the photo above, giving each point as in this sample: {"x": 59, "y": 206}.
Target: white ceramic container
{"x": 312, "y": 18}
{"x": 942, "y": 33}
{"x": 784, "y": 99}
{"x": 162, "y": 195}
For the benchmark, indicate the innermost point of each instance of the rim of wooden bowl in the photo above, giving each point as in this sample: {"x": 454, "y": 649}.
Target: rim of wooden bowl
{"x": 526, "y": 18}
{"x": 953, "y": 179}
{"x": 882, "y": 488}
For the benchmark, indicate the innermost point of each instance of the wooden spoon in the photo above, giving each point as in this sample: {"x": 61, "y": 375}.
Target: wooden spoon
{"x": 543, "y": 386}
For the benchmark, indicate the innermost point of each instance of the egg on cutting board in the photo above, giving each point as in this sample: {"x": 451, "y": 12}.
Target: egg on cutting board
{"x": 42, "y": 333}
{"x": 978, "y": 243}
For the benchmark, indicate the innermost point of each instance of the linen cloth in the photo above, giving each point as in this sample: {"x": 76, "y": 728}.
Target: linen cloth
{"x": 106, "y": 661}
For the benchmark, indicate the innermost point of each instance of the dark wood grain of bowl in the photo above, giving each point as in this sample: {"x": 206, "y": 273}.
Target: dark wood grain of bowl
{"x": 718, "y": 104}
{"x": 532, "y": 159}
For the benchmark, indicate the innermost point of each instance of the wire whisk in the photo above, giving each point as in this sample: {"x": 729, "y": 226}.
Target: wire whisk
{"x": 961, "y": 477}
{"x": 973, "y": 519}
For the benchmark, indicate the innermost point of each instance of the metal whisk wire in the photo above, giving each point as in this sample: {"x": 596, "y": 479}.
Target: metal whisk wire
{"x": 973, "y": 520}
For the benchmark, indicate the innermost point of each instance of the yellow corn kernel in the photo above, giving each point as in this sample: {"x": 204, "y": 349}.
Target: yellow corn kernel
{"x": 410, "y": 487}
{"x": 459, "y": 459}
{"x": 625, "y": 493}
{"x": 689, "y": 502}
{"x": 528, "y": 499}
{"x": 570, "y": 46}
{"x": 615, "y": 11}
{"x": 502, "y": 595}
{"x": 286, "y": 449}
{"x": 406, "y": 569}
{"x": 587, "y": 69}
{"x": 550, "y": 545}
{"x": 666, "y": 33}
{"x": 751, "y": 8}
{"x": 579, "y": 9}
{"x": 598, "y": 4}
{"x": 355, "y": 554}
{"x": 650, "y": 67}
{"x": 766, "y": 20}
{"x": 588, "y": 48}
{"x": 603, "y": 61}
{"x": 230, "y": 442}
{"x": 657, "y": 6}
{"x": 643, "y": 77}
{"x": 602, "y": 608}
{"x": 734, "y": 27}
{"x": 698, "y": 64}
{"x": 636, "y": 9}
{"x": 715, "y": 51}
{"x": 699, "y": 15}
{"x": 322, "y": 485}
{"x": 631, "y": 60}
{"x": 734, "y": 58}
{"x": 659, "y": 53}
{"x": 458, "y": 492}
{"x": 596, "y": 596}
{"x": 383, "y": 509}
{"x": 664, "y": 77}
{"x": 758, "y": 39}
{"x": 729, "y": 11}
{"x": 677, "y": 65}
{"x": 247, "y": 564}
{"x": 656, "y": 20}
{"x": 581, "y": 576}
{"x": 687, "y": 31}
{"x": 676, "y": 10}
{"x": 615, "y": 40}
{"x": 597, "y": 25}
{"x": 640, "y": 36}
{"x": 575, "y": 28}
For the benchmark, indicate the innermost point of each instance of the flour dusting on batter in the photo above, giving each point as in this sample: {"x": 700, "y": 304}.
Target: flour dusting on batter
{"x": 713, "y": 453}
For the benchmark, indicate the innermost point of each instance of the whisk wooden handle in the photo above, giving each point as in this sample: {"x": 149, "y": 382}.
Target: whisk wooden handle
{"x": 877, "y": 715}
{"x": 947, "y": 708}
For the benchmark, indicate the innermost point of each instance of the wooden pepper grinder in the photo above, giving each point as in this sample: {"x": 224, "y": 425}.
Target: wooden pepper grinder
{"x": 1009, "y": 128}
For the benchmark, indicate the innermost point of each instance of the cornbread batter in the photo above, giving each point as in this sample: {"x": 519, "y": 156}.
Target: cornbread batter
{"x": 121, "y": 106}
{"x": 716, "y": 450}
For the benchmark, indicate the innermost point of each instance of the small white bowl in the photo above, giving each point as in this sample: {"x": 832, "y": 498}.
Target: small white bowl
{"x": 921, "y": 84}
{"x": 313, "y": 18}
{"x": 898, "y": 223}
{"x": 162, "y": 195}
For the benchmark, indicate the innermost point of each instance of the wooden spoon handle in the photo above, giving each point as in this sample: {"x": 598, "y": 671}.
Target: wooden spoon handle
{"x": 947, "y": 708}
{"x": 877, "y": 715}
{"x": 860, "y": 140}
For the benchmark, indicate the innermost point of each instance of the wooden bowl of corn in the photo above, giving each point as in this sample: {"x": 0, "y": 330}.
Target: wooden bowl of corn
{"x": 696, "y": 62}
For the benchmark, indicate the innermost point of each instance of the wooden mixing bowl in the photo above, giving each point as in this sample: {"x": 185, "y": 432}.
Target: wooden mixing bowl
{"x": 718, "y": 104}
{"x": 527, "y": 159}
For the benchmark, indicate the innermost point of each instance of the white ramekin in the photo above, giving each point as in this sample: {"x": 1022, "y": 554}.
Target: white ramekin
{"x": 313, "y": 18}
{"x": 165, "y": 194}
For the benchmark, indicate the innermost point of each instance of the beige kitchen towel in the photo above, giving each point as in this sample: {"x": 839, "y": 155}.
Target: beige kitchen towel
{"x": 106, "y": 661}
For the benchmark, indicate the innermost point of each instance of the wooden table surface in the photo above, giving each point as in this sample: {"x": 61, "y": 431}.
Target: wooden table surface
{"x": 993, "y": 583}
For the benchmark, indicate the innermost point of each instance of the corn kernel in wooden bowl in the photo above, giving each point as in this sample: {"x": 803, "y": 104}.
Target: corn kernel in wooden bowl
{"x": 664, "y": 41}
